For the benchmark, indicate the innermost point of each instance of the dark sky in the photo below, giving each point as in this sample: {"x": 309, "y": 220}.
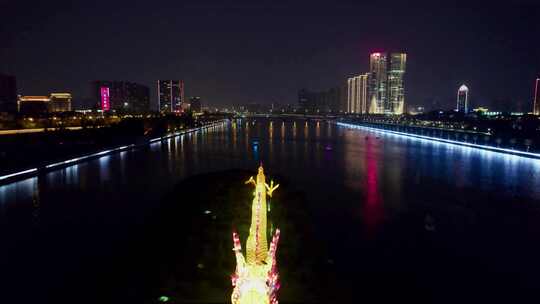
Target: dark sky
{"x": 253, "y": 52}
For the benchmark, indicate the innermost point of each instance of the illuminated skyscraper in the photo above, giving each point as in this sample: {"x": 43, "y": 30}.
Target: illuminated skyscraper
{"x": 170, "y": 95}
{"x": 121, "y": 96}
{"x": 357, "y": 94}
{"x": 536, "y": 104}
{"x": 396, "y": 90}
{"x": 378, "y": 81}
{"x": 463, "y": 99}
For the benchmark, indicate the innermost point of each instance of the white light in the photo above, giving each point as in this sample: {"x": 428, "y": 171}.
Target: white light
{"x": 77, "y": 159}
{"x": 447, "y": 141}
{"x": 18, "y": 173}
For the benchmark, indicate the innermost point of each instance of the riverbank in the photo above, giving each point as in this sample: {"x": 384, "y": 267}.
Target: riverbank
{"x": 437, "y": 137}
{"x": 59, "y": 149}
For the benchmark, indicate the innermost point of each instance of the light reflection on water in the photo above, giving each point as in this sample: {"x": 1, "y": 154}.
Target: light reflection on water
{"x": 399, "y": 157}
{"x": 365, "y": 178}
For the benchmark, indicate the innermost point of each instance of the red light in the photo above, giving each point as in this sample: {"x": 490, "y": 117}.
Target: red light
{"x": 376, "y": 54}
{"x": 105, "y": 99}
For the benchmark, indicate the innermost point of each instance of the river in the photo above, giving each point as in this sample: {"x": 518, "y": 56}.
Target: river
{"x": 430, "y": 221}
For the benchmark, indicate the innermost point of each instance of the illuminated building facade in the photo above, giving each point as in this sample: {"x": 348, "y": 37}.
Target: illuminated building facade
{"x": 382, "y": 90}
{"x": 357, "y": 97}
{"x": 396, "y": 90}
{"x": 33, "y": 105}
{"x": 8, "y": 93}
{"x": 170, "y": 96}
{"x": 121, "y": 96}
{"x": 255, "y": 280}
{"x": 195, "y": 104}
{"x": 378, "y": 83}
{"x": 60, "y": 102}
{"x": 463, "y": 99}
{"x": 536, "y": 104}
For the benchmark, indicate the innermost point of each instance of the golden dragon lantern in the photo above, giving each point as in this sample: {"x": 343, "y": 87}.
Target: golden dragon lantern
{"x": 255, "y": 280}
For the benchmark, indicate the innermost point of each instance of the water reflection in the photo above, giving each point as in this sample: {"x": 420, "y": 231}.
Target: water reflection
{"x": 364, "y": 181}
{"x": 373, "y": 210}
{"x": 104, "y": 169}
{"x": 21, "y": 191}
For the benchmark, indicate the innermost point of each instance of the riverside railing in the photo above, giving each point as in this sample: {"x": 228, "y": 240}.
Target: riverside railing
{"x": 12, "y": 177}
{"x": 469, "y": 139}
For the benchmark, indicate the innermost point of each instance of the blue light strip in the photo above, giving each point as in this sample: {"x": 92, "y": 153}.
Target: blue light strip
{"x": 18, "y": 174}
{"x": 447, "y": 141}
{"x": 104, "y": 152}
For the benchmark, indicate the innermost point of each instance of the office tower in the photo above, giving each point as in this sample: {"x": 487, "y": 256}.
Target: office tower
{"x": 60, "y": 102}
{"x": 378, "y": 78}
{"x": 536, "y": 104}
{"x": 396, "y": 91}
{"x": 170, "y": 95}
{"x": 463, "y": 99}
{"x": 121, "y": 96}
{"x": 196, "y": 105}
{"x": 357, "y": 97}
{"x": 33, "y": 105}
{"x": 8, "y": 93}
{"x": 320, "y": 102}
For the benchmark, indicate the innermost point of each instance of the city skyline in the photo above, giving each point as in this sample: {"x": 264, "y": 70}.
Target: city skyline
{"x": 222, "y": 72}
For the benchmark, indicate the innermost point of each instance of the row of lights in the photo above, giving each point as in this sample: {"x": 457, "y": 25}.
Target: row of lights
{"x": 446, "y": 141}
{"x": 102, "y": 153}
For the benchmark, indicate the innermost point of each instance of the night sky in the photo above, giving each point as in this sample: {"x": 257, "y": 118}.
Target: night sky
{"x": 240, "y": 53}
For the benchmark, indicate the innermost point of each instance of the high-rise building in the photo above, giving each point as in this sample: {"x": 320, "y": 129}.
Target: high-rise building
{"x": 170, "y": 95}
{"x": 357, "y": 97}
{"x": 463, "y": 99}
{"x": 536, "y": 104}
{"x": 8, "y": 93}
{"x": 396, "y": 90}
{"x": 60, "y": 102}
{"x": 386, "y": 89}
{"x": 196, "y": 105}
{"x": 328, "y": 101}
{"x": 121, "y": 96}
{"x": 378, "y": 83}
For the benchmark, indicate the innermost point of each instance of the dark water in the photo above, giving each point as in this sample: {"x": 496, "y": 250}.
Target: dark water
{"x": 401, "y": 218}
